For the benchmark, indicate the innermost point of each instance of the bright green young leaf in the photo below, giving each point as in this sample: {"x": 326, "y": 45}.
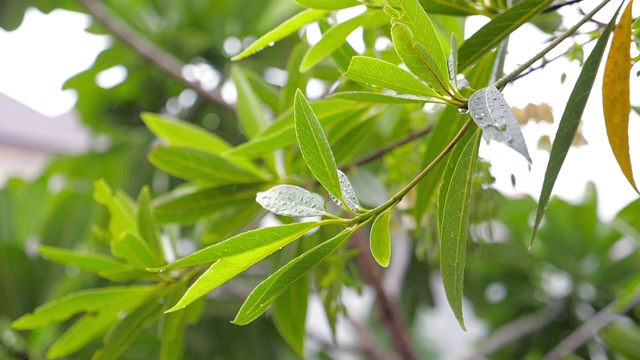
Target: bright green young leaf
{"x": 616, "y": 101}
{"x": 315, "y": 148}
{"x": 135, "y": 251}
{"x": 449, "y": 7}
{"x": 490, "y": 35}
{"x": 283, "y": 30}
{"x": 342, "y": 56}
{"x": 86, "y": 261}
{"x": 147, "y": 224}
{"x": 122, "y": 217}
{"x": 93, "y": 300}
{"x": 453, "y": 217}
{"x": 379, "y": 98}
{"x": 89, "y": 327}
{"x": 269, "y": 290}
{"x": 246, "y": 242}
{"x": 387, "y": 75}
{"x": 494, "y": 116}
{"x": 418, "y": 59}
{"x": 380, "y": 238}
{"x": 199, "y": 166}
{"x": 186, "y": 207}
{"x": 328, "y": 4}
{"x": 249, "y": 108}
{"x": 414, "y": 16}
{"x": 184, "y": 134}
{"x": 290, "y": 314}
{"x": 295, "y": 80}
{"x": 290, "y": 200}
{"x": 122, "y": 335}
{"x": 571, "y": 120}
{"x": 623, "y": 339}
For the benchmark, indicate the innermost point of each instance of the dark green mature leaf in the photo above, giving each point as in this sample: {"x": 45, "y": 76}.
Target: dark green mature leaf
{"x": 497, "y": 29}
{"x": 328, "y": 4}
{"x": 315, "y": 148}
{"x": 199, "y": 166}
{"x": 379, "y": 98}
{"x": 453, "y": 217}
{"x": 135, "y": 251}
{"x": 449, "y": 7}
{"x": 89, "y": 327}
{"x": 571, "y": 120}
{"x": 387, "y": 75}
{"x": 380, "y": 239}
{"x": 290, "y": 314}
{"x": 86, "y": 261}
{"x": 418, "y": 59}
{"x": 244, "y": 243}
{"x": 283, "y": 30}
{"x": 93, "y": 300}
{"x": 249, "y": 108}
{"x": 269, "y": 290}
{"x": 188, "y": 206}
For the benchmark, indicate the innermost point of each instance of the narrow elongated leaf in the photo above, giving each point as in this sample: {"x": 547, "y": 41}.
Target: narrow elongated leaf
{"x": 453, "y": 217}
{"x": 184, "y": 134}
{"x": 249, "y": 108}
{"x": 283, "y": 30}
{"x": 289, "y": 200}
{"x": 387, "y": 75}
{"x": 121, "y": 212}
{"x": 342, "y": 56}
{"x": 490, "y": 35}
{"x": 452, "y": 62}
{"x": 199, "y": 166}
{"x": 86, "y": 261}
{"x": 268, "y": 94}
{"x": 135, "y": 251}
{"x": 93, "y": 300}
{"x": 380, "y": 98}
{"x": 449, "y": 7}
{"x": 245, "y": 243}
{"x": 348, "y": 194}
{"x": 616, "y": 101}
{"x": 380, "y": 239}
{"x": 290, "y": 314}
{"x": 494, "y": 116}
{"x": 147, "y": 224}
{"x": 414, "y": 16}
{"x": 269, "y": 290}
{"x": 328, "y": 4}
{"x": 418, "y": 59}
{"x": 172, "y": 326}
{"x": 314, "y": 147}
{"x": 188, "y": 207}
{"x": 89, "y": 327}
{"x": 571, "y": 120}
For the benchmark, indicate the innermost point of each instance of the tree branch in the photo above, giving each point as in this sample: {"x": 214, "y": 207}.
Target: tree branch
{"x": 561, "y": 5}
{"x": 390, "y": 314}
{"x": 149, "y": 51}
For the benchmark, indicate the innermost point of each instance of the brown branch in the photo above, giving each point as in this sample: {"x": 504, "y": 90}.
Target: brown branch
{"x": 558, "y": 6}
{"x": 390, "y": 315}
{"x": 148, "y": 50}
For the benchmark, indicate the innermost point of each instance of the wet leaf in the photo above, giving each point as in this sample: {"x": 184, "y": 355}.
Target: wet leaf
{"x": 289, "y": 200}
{"x": 348, "y": 194}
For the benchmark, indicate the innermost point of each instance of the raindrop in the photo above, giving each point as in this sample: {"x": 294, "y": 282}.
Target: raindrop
{"x": 463, "y": 110}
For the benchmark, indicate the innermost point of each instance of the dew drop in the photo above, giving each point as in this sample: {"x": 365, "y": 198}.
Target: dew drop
{"x": 463, "y": 110}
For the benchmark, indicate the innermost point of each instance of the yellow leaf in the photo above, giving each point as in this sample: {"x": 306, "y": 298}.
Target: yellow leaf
{"x": 615, "y": 94}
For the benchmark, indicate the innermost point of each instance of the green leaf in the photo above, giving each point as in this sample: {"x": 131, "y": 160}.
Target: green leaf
{"x": 315, "y": 148}
{"x": 290, "y": 314}
{"x": 283, "y": 30}
{"x": 418, "y": 59}
{"x": 328, "y": 4}
{"x": 453, "y": 217}
{"x": 348, "y": 194}
{"x": 494, "y": 116}
{"x": 449, "y": 7}
{"x": 199, "y": 166}
{"x": 414, "y": 16}
{"x": 184, "y": 134}
{"x": 342, "y": 56}
{"x": 147, "y": 224}
{"x": 379, "y": 98}
{"x": 172, "y": 326}
{"x": 247, "y": 242}
{"x": 387, "y": 75}
{"x": 295, "y": 78}
{"x": 121, "y": 211}
{"x": 571, "y": 120}
{"x": 89, "y": 327}
{"x": 380, "y": 239}
{"x": 290, "y": 200}
{"x": 268, "y": 291}
{"x": 92, "y": 301}
{"x": 135, "y": 251}
{"x": 249, "y": 108}
{"x": 452, "y": 62}
{"x": 186, "y": 207}
{"x": 86, "y": 261}
{"x": 497, "y": 30}
{"x": 268, "y": 94}
{"x": 624, "y": 340}
{"x": 122, "y": 335}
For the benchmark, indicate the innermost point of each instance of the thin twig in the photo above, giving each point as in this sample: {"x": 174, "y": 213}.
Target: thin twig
{"x": 148, "y": 50}
{"x": 561, "y": 5}
{"x": 390, "y": 315}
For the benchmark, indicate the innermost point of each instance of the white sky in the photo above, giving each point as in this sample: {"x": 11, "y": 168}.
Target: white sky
{"x": 48, "y": 49}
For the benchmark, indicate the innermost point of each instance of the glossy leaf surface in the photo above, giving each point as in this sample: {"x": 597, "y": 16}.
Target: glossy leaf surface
{"x": 289, "y": 200}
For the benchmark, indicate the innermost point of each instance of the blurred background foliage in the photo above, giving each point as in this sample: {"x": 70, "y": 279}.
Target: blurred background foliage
{"x": 575, "y": 269}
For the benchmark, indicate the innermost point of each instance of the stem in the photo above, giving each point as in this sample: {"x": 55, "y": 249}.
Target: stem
{"x": 558, "y": 6}
{"x": 505, "y": 80}
{"x": 148, "y": 50}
